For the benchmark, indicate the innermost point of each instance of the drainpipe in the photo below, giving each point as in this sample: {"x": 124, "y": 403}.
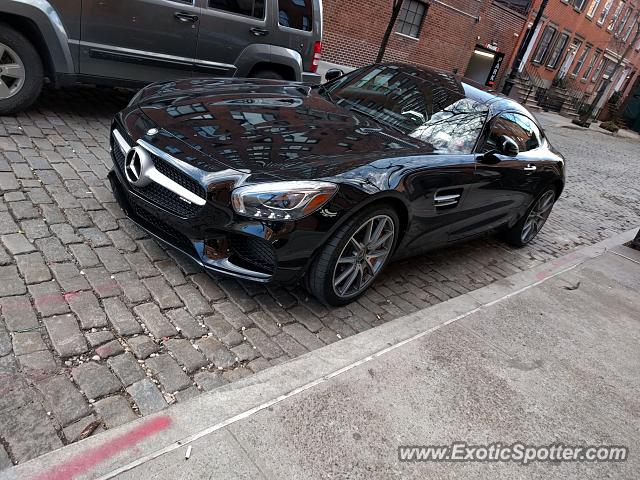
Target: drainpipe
{"x": 509, "y": 82}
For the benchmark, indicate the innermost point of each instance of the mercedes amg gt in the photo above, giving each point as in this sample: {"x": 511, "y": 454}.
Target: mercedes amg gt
{"x": 275, "y": 181}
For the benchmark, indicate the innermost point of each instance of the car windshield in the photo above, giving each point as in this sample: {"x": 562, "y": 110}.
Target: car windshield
{"x": 428, "y": 106}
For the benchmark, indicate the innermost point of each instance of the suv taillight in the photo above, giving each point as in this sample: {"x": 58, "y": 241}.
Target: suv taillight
{"x": 317, "y": 49}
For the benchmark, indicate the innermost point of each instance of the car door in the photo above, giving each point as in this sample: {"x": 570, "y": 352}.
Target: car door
{"x": 438, "y": 189}
{"x": 505, "y": 186}
{"x": 139, "y": 40}
{"x": 227, "y": 29}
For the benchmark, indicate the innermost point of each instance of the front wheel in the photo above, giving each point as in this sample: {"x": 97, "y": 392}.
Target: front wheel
{"x": 530, "y": 225}
{"x": 21, "y": 72}
{"x": 354, "y": 257}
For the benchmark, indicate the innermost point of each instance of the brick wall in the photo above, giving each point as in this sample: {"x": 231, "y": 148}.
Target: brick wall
{"x": 353, "y": 31}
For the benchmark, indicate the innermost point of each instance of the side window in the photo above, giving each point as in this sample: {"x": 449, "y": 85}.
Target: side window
{"x": 296, "y": 14}
{"x": 250, "y": 8}
{"x": 525, "y": 133}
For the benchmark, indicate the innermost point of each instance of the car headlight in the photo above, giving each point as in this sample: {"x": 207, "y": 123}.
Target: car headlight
{"x": 282, "y": 200}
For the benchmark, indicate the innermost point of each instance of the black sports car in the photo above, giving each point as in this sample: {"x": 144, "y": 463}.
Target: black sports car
{"x": 276, "y": 181}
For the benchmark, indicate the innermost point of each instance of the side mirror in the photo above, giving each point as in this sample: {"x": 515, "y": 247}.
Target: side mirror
{"x": 332, "y": 74}
{"x": 507, "y": 146}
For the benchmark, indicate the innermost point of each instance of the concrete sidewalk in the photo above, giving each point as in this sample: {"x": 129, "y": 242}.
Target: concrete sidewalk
{"x": 547, "y": 356}
{"x": 552, "y": 119}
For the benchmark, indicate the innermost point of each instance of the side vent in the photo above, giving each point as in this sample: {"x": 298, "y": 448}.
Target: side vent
{"x": 447, "y": 199}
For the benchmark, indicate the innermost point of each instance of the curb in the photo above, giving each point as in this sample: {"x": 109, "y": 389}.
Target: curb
{"x": 121, "y": 449}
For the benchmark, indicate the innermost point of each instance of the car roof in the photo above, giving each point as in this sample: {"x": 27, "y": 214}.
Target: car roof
{"x": 495, "y": 101}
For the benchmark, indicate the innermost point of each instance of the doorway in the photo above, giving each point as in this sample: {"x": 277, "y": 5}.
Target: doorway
{"x": 483, "y": 65}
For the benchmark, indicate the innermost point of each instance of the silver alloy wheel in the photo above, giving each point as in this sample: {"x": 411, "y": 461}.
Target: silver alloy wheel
{"x": 12, "y": 73}
{"x": 363, "y": 256}
{"x": 537, "y": 216}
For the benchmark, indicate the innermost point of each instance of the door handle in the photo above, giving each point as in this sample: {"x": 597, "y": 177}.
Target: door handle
{"x": 259, "y": 32}
{"x": 186, "y": 17}
{"x": 530, "y": 168}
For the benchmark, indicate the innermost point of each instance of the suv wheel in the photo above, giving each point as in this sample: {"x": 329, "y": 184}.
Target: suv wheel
{"x": 21, "y": 73}
{"x": 354, "y": 257}
{"x": 267, "y": 74}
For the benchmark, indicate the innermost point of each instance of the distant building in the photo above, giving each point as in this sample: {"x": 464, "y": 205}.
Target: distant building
{"x": 574, "y": 51}
{"x": 476, "y": 38}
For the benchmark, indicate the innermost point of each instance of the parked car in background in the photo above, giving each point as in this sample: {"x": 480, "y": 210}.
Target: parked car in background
{"x": 136, "y": 42}
{"x": 275, "y": 181}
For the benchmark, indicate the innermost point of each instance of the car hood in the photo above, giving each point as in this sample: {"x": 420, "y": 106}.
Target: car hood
{"x": 279, "y": 129}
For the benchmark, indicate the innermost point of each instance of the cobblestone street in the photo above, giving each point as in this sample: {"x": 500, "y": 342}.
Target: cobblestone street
{"x": 101, "y": 324}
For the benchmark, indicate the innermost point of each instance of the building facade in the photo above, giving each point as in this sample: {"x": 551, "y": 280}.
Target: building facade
{"x": 475, "y": 38}
{"x": 578, "y": 44}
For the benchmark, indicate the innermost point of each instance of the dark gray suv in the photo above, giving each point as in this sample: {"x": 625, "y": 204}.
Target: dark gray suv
{"x": 135, "y": 42}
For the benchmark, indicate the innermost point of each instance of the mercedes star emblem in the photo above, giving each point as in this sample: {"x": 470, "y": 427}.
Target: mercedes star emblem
{"x": 136, "y": 164}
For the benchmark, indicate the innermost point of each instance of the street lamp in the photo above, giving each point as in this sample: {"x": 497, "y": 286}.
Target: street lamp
{"x": 509, "y": 82}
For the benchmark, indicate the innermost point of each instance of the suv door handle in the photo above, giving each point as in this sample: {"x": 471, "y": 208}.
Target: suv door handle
{"x": 530, "y": 168}
{"x": 186, "y": 17}
{"x": 259, "y": 32}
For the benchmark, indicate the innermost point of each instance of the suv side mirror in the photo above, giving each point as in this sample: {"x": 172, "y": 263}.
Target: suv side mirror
{"x": 507, "y": 146}
{"x": 332, "y": 74}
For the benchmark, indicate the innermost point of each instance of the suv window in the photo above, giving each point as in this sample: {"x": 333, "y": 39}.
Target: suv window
{"x": 250, "y": 8}
{"x": 296, "y": 14}
{"x": 520, "y": 128}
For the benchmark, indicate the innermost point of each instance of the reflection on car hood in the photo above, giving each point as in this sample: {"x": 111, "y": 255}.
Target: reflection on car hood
{"x": 283, "y": 129}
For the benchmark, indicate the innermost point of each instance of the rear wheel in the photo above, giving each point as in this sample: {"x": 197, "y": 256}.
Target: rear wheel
{"x": 267, "y": 74}
{"x": 21, "y": 72}
{"x": 354, "y": 257}
{"x": 530, "y": 225}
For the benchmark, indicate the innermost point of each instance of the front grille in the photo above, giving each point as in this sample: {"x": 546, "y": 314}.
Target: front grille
{"x": 156, "y": 193}
{"x": 164, "y": 231}
{"x": 118, "y": 156}
{"x": 252, "y": 253}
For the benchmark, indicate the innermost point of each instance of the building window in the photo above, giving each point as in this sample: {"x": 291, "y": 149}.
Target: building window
{"x": 581, "y": 59}
{"x": 615, "y": 17}
{"x": 630, "y": 29}
{"x": 605, "y": 12}
{"x": 598, "y": 70}
{"x": 623, "y": 21}
{"x": 543, "y": 46}
{"x": 592, "y": 63}
{"x": 557, "y": 51}
{"x": 410, "y": 18}
{"x": 520, "y": 6}
{"x": 579, "y": 4}
{"x": 592, "y": 8}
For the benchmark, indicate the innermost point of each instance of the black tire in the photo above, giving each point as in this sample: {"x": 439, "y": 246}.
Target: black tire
{"x": 320, "y": 277}
{"x": 514, "y": 235}
{"x": 267, "y": 74}
{"x": 33, "y": 71}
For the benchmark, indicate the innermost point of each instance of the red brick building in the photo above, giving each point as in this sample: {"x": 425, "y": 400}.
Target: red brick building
{"x": 578, "y": 43}
{"x": 476, "y": 38}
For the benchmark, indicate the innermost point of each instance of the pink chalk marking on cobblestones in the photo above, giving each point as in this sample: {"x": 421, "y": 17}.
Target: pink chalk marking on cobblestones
{"x": 22, "y": 302}
{"x": 558, "y": 263}
{"x": 83, "y": 462}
